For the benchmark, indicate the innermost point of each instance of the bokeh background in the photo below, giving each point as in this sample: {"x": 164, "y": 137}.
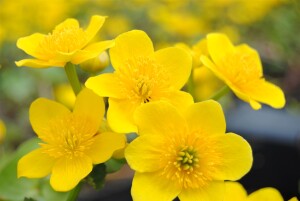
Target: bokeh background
{"x": 272, "y": 27}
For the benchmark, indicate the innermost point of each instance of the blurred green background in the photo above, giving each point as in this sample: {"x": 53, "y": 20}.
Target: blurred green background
{"x": 272, "y": 27}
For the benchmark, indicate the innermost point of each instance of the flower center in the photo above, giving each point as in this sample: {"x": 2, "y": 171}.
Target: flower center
{"x": 187, "y": 159}
{"x": 142, "y": 79}
{"x": 190, "y": 160}
{"x": 69, "y": 137}
{"x": 241, "y": 69}
{"x": 64, "y": 40}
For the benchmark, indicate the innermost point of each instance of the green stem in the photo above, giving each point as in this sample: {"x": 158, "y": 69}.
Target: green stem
{"x": 219, "y": 94}
{"x": 73, "y": 77}
{"x": 75, "y": 192}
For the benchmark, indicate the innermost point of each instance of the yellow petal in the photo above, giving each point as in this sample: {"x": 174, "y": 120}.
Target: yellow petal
{"x": 68, "y": 23}
{"x": 91, "y": 106}
{"x": 293, "y": 199}
{"x": 177, "y": 63}
{"x": 245, "y": 96}
{"x": 104, "y": 146}
{"x": 180, "y": 99}
{"x": 219, "y": 46}
{"x": 159, "y": 118}
{"x": 234, "y": 191}
{"x": 132, "y": 44}
{"x": 106, "y": 85}
{"x": 144, "y": 153}
{"x": 213, "y": 191}
{"x": 206, "y": 117}
{"x": 42, "y": 111}
{"x": 247, "y": 51}
{"x": 236, "y": 155}
{"x": 35, "y": 63}
{"x": 95, "y": 24}
{"x": 91, "y": 51}
{"x": 67, "y": 172}
{"x": 150, "y": 186}
{"x": 265, "y": 194}
{"x": 120, "y": 115}
{"x": 30, "y": 44}
{"x": 210, "y": 65}
{"x": 35, "y": 164}
{"x": 268, "y": 93}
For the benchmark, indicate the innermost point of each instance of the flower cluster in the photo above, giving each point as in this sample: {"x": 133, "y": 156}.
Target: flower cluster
{"x": 181, "y": 149}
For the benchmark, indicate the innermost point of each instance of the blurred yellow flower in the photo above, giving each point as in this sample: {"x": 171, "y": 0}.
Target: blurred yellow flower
{"x": 67, "y": 43}
{"x": 185, "y": 154}
{"x": 71, "y": 141}
{"x": 234, "y": 191}
{"x": 240, "y": 68}
{"x": 2, "y": 131}
{"x": 206, "y": 84}
{"x": 96, "y": 64}
{"x": 64, "y": 94}
{"x": 197, "y": 50}
{"x": 141, "y": 76}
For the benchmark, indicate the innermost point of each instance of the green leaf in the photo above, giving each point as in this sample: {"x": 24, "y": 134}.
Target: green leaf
{"x": 29, "y": 199}
{"x": 14, "y": 189}
{"x": 97, "y": 177}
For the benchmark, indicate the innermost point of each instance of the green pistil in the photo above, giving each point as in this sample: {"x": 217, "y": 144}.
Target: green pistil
{"x": 186, "y": 159}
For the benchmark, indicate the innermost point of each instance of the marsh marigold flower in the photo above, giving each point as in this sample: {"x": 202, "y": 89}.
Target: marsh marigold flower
{"x": 234, "y": 191}
{"x": 240, "y": 68}
{"x": 71, "y": 141}
{"x": 141, "y": 76}
{"x": 67, "y": 43}
{"x": 185, "y": 154}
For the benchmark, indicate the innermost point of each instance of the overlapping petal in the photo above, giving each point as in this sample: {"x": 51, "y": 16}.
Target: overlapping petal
{"x": 42, "y": 111}
{"x": 172, "y": 60}
{"x": 206, "y": 118}
{"x": 132, "y": 44}
{"x": 159, "y": 118}
{"x": 152, "y": 187}
{"x": 95, "y": 24}
{"x": 68, "y": 172}
{"x": 265, "y": 194}
{"x": 234, "y": 191}
{"x": 236, "y": 156}
{"x": 105, "y": 85}
{"x": 91, "y": 106}
{"x": 219, "y": 46}
{"x": 104, "y": 146}
{"x": 35, "y": 63}
{"x": 35, "y": 164}
{"x": 145, "y": 152}
{"x": 213, "y": 191}
{"x": 120, "y": 115}
{"x": 30, "y": 44}
{"x": 91, "y": 51}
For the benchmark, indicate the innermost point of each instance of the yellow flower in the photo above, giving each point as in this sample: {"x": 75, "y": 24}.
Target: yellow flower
{"x": 64, "y": 94}
{"x": 71, "y": 141}
{"x": 197, "y": 50}
{"x": 240, "y": 68}
{"x": 205, "y": 83}
{"x": 2, "y": 131}
{"x": 67, "y": 43}
{"x": 96, "y": 64}
{"x": 141, "y": 76}
{"x": 234, "y": 191}
{"x": 185, "y": 154}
